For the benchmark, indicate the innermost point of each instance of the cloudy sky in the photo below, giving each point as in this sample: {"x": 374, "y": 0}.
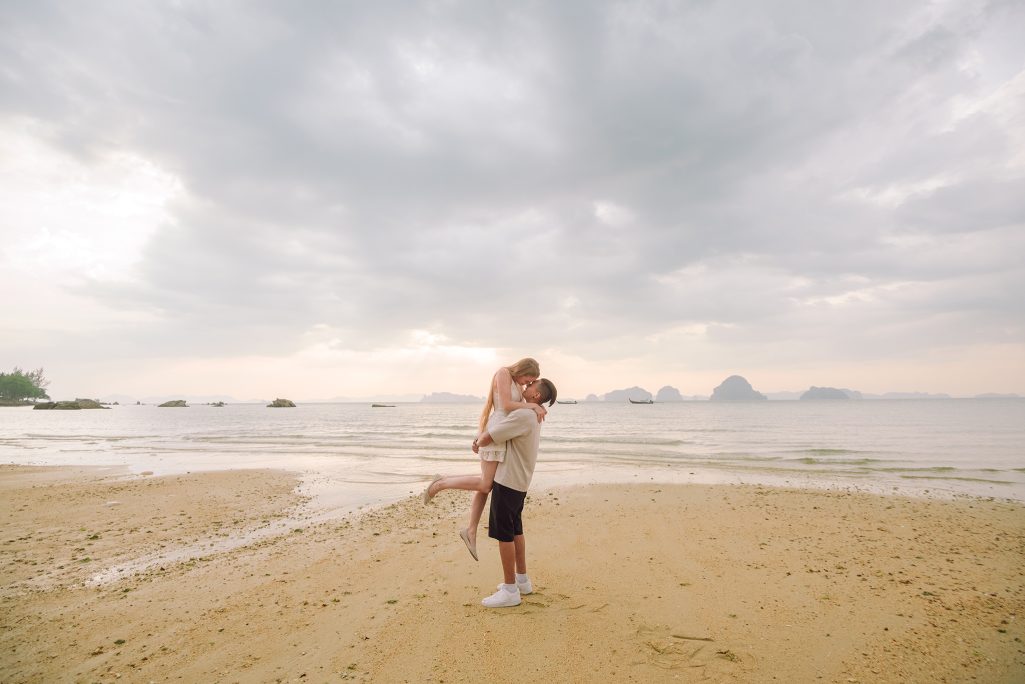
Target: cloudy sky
{"x": 326, "y": 199}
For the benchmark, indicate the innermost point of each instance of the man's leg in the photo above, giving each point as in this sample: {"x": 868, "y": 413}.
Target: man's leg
{"x": 504, "y": 502}
{"x": 521, "y": 554}
{"x": 507, "y": 550}
{"x": 508, "y": 593}
{"x": 523, "y": 582}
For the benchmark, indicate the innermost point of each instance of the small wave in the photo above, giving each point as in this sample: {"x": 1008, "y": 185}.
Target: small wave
{"x": 82, "y": 438}
{"x": 933, "y": 469}
{"x": 448, "y": 435}
{"x": 20, "y": 444}
{"x": 828, "y": 452}
{"x": 636, "y": 440}
{"x": 217, "y": 439}
{"x": 808, "y": 460}
{"x": 742, "y": 456}
{"x": 461, "y": 429}
{"x": 961, "y": 478}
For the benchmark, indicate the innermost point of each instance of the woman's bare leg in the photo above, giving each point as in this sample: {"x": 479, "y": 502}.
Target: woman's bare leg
{"x": 480, "y": 485}
{"x": 480, "y": 497}
{"x": 472, "y": 483}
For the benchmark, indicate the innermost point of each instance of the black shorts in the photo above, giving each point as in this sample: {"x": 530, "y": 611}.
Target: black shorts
{"x": 506, "y": 520}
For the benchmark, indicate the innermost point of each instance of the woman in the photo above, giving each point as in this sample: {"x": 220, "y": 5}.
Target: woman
{"x": 504, "y": 395}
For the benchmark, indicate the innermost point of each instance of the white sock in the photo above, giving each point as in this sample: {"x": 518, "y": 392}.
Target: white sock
{"x": 521, "y": 579}
{"x": 511, "y": 588}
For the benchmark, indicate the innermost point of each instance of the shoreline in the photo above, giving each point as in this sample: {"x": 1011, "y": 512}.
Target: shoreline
{"x": 639, "y": 582}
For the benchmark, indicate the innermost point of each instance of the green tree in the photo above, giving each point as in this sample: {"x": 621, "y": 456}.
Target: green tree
{"x": 20, "y": 386}
{"x": 38, "y": 380}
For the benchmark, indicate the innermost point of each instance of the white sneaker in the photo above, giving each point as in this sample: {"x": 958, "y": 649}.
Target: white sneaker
{"x": 524, "y": 587}
{"x": 502, "y": 599}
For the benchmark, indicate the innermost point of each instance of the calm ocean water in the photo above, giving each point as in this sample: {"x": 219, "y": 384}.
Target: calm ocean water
{"x": 353, "y": 454}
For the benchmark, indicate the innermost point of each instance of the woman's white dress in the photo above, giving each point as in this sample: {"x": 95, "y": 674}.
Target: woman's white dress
{"x": 496, "y": 452}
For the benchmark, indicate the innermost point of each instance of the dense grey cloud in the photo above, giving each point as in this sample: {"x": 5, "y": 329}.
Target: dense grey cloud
{"x": 848, "y": 176}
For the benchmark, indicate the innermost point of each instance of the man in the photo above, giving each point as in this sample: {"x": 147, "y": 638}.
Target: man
{"x": 521, "y": 432}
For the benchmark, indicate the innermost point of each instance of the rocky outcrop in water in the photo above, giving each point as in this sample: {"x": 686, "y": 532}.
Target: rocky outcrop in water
{"x": 736, "y": 388}
{"x": 635, "y": 393}
{"x": 281, "y": 403}
{"x": 76, "y": 405}
{"x": 174, "y": 403}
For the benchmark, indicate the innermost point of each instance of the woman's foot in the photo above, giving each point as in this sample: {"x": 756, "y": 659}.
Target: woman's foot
{"x": 471, "y": 542}
{"x": 430, "y": 491}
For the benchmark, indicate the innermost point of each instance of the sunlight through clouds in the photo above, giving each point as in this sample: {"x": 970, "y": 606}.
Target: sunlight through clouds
{"x": 67, "y": 217}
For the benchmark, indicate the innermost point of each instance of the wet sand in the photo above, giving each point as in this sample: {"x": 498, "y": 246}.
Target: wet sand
{"x": 633, "y": 583}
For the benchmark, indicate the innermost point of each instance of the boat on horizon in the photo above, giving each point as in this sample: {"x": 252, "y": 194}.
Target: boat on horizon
{"x": 642, "y": 401}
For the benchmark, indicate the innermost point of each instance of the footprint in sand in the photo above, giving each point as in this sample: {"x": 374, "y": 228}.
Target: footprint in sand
{"x": 673, "y": 649}
{"x": 561, "y": 602}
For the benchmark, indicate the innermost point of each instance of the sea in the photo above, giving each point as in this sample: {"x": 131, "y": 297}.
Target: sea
{"x": 353, "y": 455}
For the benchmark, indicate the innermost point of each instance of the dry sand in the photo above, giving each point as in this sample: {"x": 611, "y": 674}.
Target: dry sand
{"x": 633, "y": 583}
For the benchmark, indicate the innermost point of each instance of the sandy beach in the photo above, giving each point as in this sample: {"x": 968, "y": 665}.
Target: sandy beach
{"x": 215, "y": 577}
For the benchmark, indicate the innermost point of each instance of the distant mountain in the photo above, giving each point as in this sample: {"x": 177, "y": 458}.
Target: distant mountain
{"x": 825, "y": 394}
{"x": 736, "y": 388}
{"x": 118, "y": 398}
{"x": 449, "y": 398}
{"x": 855, "y": 394}
{"x": 783, "y": 396}
{"x": 906, "y": 395}
{"x": 198, "y": 399}
{"x": 636, "y": 393}
{"x": 390, "y": 398}
{"x": 668, "y": 393}
{"x": 643, "y": 394}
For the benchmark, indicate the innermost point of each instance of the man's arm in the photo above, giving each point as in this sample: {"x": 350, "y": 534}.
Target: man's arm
{"x": 518, "y": 422}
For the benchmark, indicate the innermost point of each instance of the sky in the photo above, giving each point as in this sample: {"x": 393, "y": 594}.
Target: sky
{"x": 342, "y": 199}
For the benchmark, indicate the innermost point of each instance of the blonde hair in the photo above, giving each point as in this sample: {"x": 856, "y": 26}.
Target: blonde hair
{"x": 527, "y": 366}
